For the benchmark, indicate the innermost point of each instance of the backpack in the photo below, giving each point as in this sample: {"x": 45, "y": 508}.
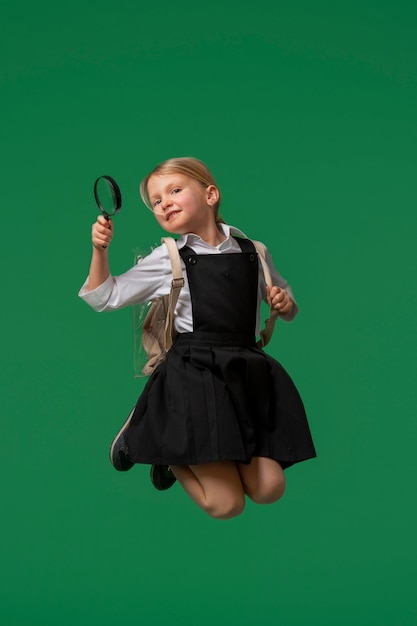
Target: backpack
{"x": 158, "y": 332}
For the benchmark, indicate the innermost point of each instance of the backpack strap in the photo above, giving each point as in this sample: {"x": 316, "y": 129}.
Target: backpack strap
{"x": 176, "y": 285}
{"x": 266, "y": 333}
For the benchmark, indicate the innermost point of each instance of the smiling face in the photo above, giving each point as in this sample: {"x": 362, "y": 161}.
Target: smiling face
{"x": 182, "y": 205}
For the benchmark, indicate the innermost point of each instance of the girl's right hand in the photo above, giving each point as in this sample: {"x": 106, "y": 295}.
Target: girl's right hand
{"x": 102, "y": 233}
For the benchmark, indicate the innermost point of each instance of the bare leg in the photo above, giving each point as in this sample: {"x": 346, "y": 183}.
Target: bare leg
{"x": 216, "y": 487}
{"x": 263, "y": 480}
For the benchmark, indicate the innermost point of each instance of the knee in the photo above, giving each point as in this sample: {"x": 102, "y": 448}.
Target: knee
{"x": 269, "y": 491}
{"x": 227, "y": 509}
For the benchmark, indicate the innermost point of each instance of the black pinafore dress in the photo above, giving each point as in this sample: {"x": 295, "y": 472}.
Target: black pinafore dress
{"x": 217, "y": 396}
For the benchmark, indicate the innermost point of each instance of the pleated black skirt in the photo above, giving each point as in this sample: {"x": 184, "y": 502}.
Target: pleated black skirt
{"x": 216, "y": 400}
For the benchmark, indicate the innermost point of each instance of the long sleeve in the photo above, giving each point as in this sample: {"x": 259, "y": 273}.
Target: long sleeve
{"x": 149, "y": 279}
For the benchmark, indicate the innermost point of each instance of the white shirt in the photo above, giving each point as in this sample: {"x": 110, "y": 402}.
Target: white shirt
{"x": 151, "y": 277}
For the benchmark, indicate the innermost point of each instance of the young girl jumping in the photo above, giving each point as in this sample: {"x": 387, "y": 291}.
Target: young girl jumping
{"x": 218, "y": 415}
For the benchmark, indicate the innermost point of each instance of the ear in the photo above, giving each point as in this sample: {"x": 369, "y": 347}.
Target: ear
{"x": 212, "y": 194}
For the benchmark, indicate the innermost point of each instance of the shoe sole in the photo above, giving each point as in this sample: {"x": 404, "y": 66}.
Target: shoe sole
{"x": 116, "y": 439}
{"x": 159, "y": 478}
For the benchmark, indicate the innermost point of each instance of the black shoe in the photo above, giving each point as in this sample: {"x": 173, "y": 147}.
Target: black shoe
{"x": 119, "y": 453}
{"x": 162, "y": 477}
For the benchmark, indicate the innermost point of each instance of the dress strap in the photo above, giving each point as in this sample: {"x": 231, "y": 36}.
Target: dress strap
{"x": 246, "y": 245}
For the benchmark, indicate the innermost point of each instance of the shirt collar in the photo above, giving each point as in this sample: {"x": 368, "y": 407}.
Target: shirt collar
{"x": 227, "y": 230}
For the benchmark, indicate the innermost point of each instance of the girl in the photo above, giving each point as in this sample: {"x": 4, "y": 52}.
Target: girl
{"x": 218, "y": 415}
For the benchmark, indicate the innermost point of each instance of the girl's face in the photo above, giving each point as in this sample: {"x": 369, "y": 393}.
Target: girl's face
{"x": 180, "y": 204}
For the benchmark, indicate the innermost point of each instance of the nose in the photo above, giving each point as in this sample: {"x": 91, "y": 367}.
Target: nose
{"x": 166, "y": 203}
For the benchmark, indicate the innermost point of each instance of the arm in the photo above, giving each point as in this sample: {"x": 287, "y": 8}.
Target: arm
{"x": 280, "y": 296}
{"x": 146, "y": 280}
{"x": 101, "y": 235}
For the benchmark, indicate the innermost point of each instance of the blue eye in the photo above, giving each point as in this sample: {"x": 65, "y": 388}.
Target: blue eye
{"x": 176, "y": 190}
{"x": 156, "y": 202}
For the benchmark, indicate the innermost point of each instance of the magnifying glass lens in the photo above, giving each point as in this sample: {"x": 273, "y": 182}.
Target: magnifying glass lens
{"x": 108, "y": 196}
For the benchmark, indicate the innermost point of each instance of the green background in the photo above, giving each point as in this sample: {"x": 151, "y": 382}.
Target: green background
{"x": 306, "y": 113}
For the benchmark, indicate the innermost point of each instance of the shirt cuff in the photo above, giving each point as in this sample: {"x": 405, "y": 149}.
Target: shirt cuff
{"x": 97, "y": 298}
{"x": 288, "y": 317}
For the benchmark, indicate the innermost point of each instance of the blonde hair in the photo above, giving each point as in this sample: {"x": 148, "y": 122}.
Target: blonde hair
{"x": 188, "y": 166}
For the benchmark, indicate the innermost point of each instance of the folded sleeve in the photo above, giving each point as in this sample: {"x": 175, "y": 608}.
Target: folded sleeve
{"x": 99, "y": 297}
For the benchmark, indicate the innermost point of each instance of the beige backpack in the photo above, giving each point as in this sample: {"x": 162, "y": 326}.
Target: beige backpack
{"x": 158, "y": 331}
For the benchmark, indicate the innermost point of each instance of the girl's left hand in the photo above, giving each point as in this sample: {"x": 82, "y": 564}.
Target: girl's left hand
{"x": 279, "y": 299}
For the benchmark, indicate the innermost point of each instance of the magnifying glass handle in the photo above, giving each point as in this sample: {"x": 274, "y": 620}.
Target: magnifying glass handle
{"x": 106, "y": 217}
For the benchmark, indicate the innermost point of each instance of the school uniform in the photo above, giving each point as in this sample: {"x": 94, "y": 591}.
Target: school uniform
{"x": 216, "y": 396}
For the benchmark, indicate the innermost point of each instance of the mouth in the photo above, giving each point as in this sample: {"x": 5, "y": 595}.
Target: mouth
{"x": 172, "y": 215}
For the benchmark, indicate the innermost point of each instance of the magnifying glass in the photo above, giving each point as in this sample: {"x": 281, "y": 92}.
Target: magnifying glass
{"x": 108, "y": 196}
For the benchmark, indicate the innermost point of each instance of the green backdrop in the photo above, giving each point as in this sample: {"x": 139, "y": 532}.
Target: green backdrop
{"x": 306, "y": 113}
